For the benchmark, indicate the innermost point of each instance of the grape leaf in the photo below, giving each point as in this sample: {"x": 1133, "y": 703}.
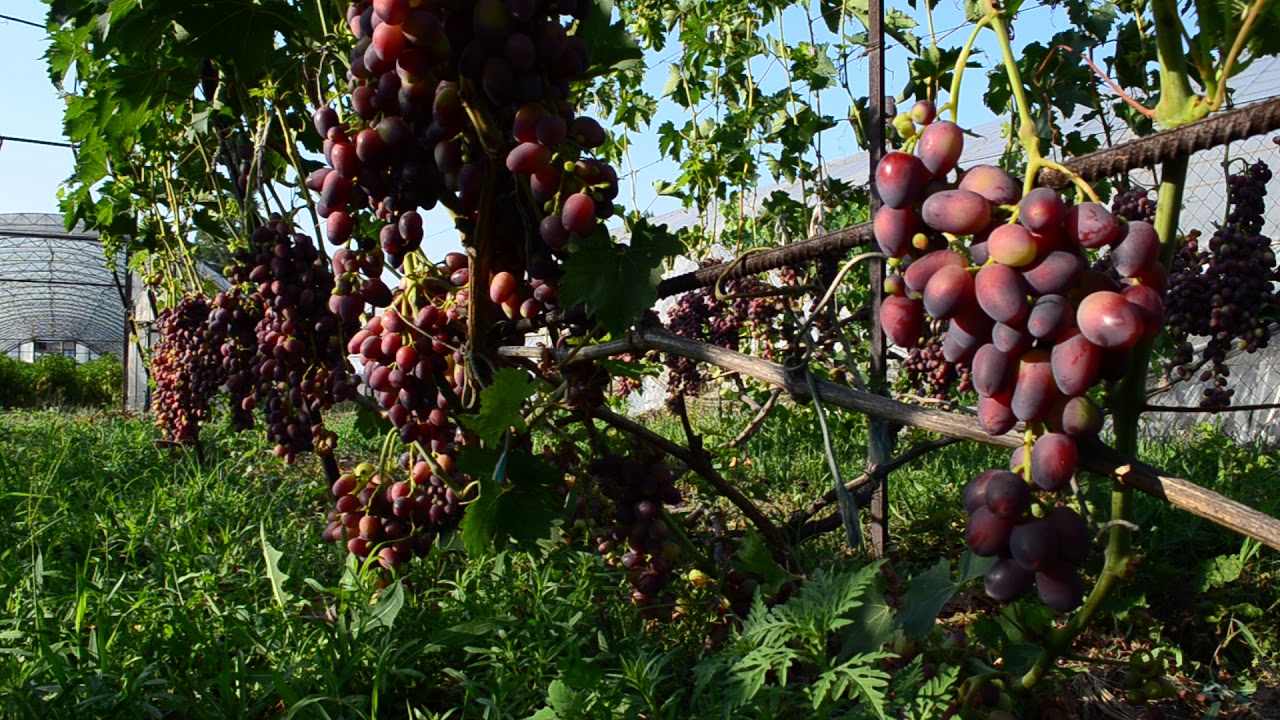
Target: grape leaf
{"x": 520, "y": 505}
{"x": 609, "y": 45}
{"x": 370, "y": 423}
{"x": 754, "y": 558}
{"x": 926, "y": 595}
{"x": 500, "y": 405}
{"x": 618, "y": 283}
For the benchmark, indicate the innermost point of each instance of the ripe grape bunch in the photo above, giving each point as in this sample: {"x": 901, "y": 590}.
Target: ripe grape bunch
{"x": 234, "y": 318}
{"x": 1009, "y": 275}
{"x": 1225, "y": 291}
{"x": 437, "y": 90}
{"x": 639, "y": 491}
{"x": 413, "y": 360}
{"x": 187, "y": 368}
{"x": 300, "y": 368}
{"x": 395, "y": 520}
{"x": 743, "y": 305}
{"x": 1134, "y": 204}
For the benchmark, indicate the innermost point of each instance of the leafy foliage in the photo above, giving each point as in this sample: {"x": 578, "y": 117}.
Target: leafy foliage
{"x": 789, "y": 642}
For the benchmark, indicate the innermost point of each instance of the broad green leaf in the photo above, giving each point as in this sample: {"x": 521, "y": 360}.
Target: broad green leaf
{"x": 972, "y": 566}
{"x": 1019, "y": 658}
{"x": 618, "y": 283}
{"x": 500, "y": 405}
{"x": 609, "y": 45}
{"x": 924, "y": 599}
{"x": 563, "y": 698}
{"x": 754, "y": 557}
{"x": 521, "y": 508}
{"x": 370, "y": 423}
{"x": 872, "y": 625}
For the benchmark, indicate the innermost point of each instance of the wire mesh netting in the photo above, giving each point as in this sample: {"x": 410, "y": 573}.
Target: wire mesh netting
{"x": 1254, "y": 377}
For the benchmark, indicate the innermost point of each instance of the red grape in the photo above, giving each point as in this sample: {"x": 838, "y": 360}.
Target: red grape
{"x": 1034, "y": 391}
{"x": 992, "y": 183}
{"x": 902, "y": 320}
{"x": 1092, "y": 225}
{"x": 1034, "y": 544}
{"x": 959, "y": 212}
{"x": 1108, "y": 320}
{"x": 1011, "y": 245}
{"x": 1006, "y": 581}
{"x": 579, "y": 214}
{"x": 899, "y": 179}
{"x": 987, "y": 534}
{"x": 1053, "y": 461}
{"x": 1002, "y": 294}
{"x": 949, "y": 291}
{"x": 1041, "y": 210}
{"x": 921, "y": 270}
{"x": 940, "y": 146}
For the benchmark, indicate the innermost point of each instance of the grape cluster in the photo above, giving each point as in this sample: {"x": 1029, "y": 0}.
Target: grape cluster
{"x": 1038, "y": 543}
{"x": 436, "y": 90}
{"x": 639, "y": 491}
{"x": 186, "y": 367}
{"x": 1225, "y": 291}
{"x": 743, "y": 307}
{"x": 416, "y": 367}
{"x": 1037, "y": 326}
{"x": 300, "y": 367}
{"x": 929, "y": 373}
{"x": 395, "y": 520}
{"x": 1134, "y": 204}
{"x": 234, "y": 318}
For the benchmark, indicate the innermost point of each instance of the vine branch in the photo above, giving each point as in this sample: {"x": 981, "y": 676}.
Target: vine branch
{"x": 1095, "y": 456}
{"x": 698, "y": 462}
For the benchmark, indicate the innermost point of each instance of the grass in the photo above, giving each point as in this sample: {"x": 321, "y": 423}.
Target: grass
{"x": 136, "y": 582}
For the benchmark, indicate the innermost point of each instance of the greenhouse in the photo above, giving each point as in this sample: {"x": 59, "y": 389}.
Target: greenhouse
{"x": 58, "y": 293}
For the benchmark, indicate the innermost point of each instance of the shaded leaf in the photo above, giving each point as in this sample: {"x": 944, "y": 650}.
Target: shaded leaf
{"x": 500, "y": 405}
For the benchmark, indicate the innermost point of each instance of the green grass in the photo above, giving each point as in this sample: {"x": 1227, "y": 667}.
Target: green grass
{"x": 137, "y": 582}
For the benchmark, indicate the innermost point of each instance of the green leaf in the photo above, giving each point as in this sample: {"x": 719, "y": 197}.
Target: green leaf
{"x": 274, "y": 573}
{"x": 1019, "y": 658}
{"x": 609, "y": 45}
{"x": 1219, "y": 571}
{"x": 564, "y": 699}
{"x": 388, "y": 608}
{"x": 926, "y": 595}
{"x": 520, "y": 509}
{"x": 370, "y": 423}
{"x": 754, "y": 558}
{"x": 618, "y": 283}
{"x": 972, "y": 566}
{"x": 500, "y": 405}
{"x": 872, "y": 625}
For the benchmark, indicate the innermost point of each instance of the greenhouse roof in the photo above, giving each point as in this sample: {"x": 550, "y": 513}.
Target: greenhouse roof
{"x": 56, "y": 285}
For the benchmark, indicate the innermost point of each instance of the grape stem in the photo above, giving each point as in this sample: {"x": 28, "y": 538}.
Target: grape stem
{"x": 1027, "y": 136}
{"x": 1255, "y": 10}
{"x": 962, "y": 61}
{"x": 1115, "y": 87}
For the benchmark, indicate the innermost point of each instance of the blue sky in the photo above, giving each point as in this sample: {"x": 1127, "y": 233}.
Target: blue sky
{"x": 30, "y": 174}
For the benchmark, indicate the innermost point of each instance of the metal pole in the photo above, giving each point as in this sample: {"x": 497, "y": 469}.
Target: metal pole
{"x": 879, "y": 434}
{"x": 128, "y": 330}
